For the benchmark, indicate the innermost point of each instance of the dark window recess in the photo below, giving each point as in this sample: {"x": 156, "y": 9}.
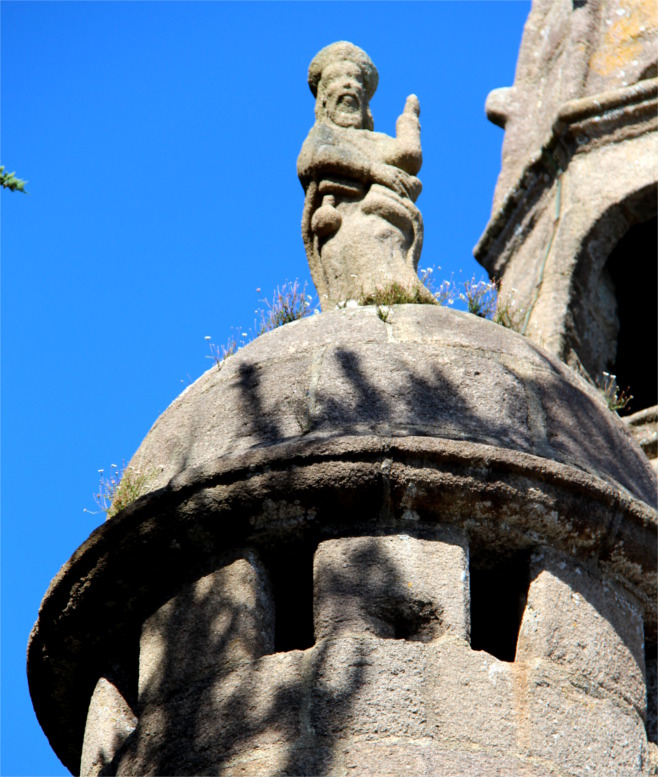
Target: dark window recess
{"x": 291, "y": 574}
{"x": 498, "y": 599}
{"x": 633, "y": 268}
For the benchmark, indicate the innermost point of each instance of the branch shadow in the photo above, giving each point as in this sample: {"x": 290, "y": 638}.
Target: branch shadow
{"x": 285, "y": 712}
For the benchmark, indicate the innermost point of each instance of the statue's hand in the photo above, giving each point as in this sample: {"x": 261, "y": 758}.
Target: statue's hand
{"x": 400, "y": 182}
{"x": 409, "y": 155}
{"x": 412, "y": 106}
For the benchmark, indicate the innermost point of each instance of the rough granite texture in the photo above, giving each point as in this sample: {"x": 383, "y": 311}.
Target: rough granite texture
{"x": 220, "y": 621}
{"x": 405, "y": 541}
{"x": 585, "y": 625}
{"x": 393, "y": 451}
{"x": 578, "y": 178}
{"x": 570, "y": 50}
{"x": 110, "y": 721}
{"x": 426, "y": 371}
{"x": 361, "y": 228}
{"x": 380, "y": 705}
{"x": 391, "y": 587}
{"x": 643, "y": 425}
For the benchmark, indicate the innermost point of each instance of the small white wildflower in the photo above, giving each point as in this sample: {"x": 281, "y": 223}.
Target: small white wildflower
{"x": 207, "y": 337}
{"x": 244, "y": 334}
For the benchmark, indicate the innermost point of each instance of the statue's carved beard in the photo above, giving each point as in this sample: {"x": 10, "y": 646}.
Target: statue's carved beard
{"x": 346, "y": 110}
{"x": 348, "y": 103}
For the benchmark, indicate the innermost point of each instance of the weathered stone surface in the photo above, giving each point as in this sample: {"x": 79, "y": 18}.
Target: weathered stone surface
{"x": 220, "y": 719}
{"x": 363, "y": 703}
{"x": 651, "y": 661}
{"x": 397, "y": 434}
{"x": 211, "y": 626}
{"x": 569, "y": 50}
{"x": 390, "y": 449}
{"x": 110, "y": 721}
{"x": 361, "y": 228}
{"x": 391, "y": 587}
{"x": 580, "y": 732}
{"x": 643, "y": 425}
{"x": 348, "y": 372}
{"x": 573, "y": 227}
{"x": 591, "y": 628}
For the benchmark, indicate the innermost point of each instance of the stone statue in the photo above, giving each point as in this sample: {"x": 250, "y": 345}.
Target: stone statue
{"x": 361, "y": 228}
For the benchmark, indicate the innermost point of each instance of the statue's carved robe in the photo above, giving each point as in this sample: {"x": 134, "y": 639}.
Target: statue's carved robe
{"x": 359, "y": 232}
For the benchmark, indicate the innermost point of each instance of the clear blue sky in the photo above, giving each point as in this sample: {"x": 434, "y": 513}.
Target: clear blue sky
{"x": 159, "y": 140}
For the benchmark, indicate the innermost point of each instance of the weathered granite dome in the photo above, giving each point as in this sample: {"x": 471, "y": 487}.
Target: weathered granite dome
{"x": 424, "y": 372}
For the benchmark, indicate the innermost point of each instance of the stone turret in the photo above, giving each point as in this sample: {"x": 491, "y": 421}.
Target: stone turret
{"x": 416, "y": 544}
{"x": 374, "y": 542}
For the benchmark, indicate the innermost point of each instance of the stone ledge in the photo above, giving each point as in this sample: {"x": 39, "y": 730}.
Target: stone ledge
{"x": 617, "y": 108}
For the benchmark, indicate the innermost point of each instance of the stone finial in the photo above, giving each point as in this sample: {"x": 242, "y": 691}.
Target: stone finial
{"x": 361, "y": 228}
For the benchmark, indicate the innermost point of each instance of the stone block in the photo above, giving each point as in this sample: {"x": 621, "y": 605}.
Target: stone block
{"x": 243, "y": 722}
{"x": 589, "y": 627}
{"x": 213, "y": 625}
{"x": 425, "y": 759}
{"x": 470, "y": 698}
{"x": 368, "y": 687}
{"x": 584, "y": 733}
{"x": 110, "y": 721}
{"x": 394, "y": 587}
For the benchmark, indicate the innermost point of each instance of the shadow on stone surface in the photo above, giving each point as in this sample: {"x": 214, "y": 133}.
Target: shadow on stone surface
{"x": 206, "y": 709}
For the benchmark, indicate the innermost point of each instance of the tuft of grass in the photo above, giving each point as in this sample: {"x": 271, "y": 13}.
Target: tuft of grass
{"x": 480, "y": 297}
{"x": 122, "y": 487}
{"x": 397, "y": 294}
{"x": 289, "y": 303}
{"x": 382, "y": 312}
{"x": 508, "y": 313}
{"x": 617, "y": 399}
{"x": 220, "y": 353}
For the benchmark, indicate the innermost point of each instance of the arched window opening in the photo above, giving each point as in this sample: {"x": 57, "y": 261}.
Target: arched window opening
{"x": 632, "y": 267}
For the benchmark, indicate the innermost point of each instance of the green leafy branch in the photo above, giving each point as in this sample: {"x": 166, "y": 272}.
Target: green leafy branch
{"x": 9, "y": 181}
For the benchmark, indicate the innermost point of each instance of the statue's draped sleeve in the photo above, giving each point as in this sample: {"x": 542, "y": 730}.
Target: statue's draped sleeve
{"x": 325, "y": 152}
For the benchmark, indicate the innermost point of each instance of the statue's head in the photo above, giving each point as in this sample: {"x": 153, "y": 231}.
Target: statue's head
{"x": 343, "y": 78}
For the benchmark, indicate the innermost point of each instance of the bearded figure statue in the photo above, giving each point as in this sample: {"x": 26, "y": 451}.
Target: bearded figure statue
{"x": 362, "y": 231}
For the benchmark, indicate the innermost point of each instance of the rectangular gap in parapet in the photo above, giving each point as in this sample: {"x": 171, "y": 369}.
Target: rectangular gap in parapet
{"x": 499, "y": 590}
{"x": 290, "y": 565}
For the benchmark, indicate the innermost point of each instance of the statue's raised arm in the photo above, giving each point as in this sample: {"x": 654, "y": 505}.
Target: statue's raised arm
{"x": 361, "y": 228}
